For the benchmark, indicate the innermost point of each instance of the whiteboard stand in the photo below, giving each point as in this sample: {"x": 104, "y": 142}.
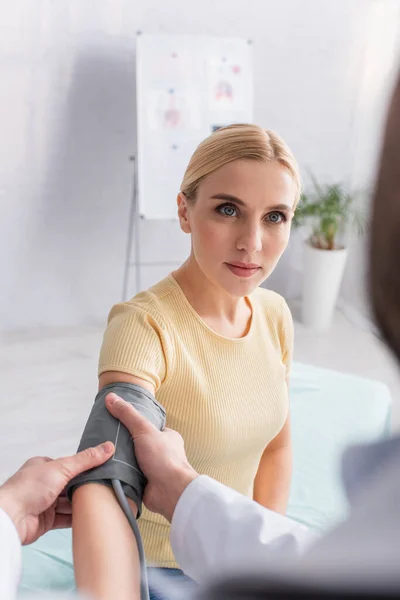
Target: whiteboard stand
{"x": 133, "y": 235}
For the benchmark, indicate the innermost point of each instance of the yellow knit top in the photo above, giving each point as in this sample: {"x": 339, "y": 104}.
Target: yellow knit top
{"x": 227, "y": 397}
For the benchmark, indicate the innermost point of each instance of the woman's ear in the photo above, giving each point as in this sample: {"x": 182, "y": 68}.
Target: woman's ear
{"x": 183, "y": 212}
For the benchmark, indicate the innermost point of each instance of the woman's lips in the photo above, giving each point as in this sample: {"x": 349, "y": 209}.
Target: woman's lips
{"x": 243, "y": 270}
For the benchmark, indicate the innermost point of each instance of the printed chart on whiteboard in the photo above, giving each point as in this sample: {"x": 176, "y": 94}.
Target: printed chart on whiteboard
{"x": 187, "y": 87}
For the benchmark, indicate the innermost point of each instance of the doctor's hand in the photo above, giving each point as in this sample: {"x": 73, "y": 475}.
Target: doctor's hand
{"x": 33, "y": 498}
{"x": 161, "y": 456}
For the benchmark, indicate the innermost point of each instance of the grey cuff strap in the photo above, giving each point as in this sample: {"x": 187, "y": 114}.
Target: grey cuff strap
{"x": 102, "y": 427}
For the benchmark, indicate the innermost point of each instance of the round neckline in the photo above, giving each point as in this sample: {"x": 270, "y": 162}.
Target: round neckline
{"x": 204, "y": 324}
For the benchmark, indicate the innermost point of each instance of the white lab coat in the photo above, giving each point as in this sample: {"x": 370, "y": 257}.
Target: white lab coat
{"x": 10, "y": 557}
{"x": 216, "y": 532}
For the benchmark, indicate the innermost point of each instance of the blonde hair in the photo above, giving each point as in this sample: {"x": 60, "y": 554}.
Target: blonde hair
{"x": 235, "y": 142}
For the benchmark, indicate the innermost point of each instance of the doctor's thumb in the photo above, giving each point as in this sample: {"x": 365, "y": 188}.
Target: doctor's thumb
{"x": 135, "y": 423}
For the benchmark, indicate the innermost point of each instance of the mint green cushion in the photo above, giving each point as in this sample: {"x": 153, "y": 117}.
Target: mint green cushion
{"x": 47, "y": 564}
{"x": 329, "y": 411}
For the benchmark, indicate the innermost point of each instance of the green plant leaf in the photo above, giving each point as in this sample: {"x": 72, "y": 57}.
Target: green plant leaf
{"x": 329, "y": 209}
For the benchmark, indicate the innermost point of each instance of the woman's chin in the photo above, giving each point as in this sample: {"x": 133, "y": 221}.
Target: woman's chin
{"x": 241, "y": 287}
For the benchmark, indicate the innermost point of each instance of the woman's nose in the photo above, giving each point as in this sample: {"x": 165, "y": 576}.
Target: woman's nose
{"x": 250, "y": 240}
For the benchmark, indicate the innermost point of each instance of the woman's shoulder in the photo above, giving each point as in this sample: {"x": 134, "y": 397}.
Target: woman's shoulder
{"x": 274, "y": 307}
{"x": 151, "y": 303}
{"x": 277, "y": 316}
{"x": 269, "y": 300}
{"x": 137, "y": 340}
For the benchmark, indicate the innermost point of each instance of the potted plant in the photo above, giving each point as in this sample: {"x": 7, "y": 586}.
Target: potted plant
{"x": 331, "y": 213}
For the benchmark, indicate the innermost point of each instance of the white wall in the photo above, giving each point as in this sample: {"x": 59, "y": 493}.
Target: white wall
{"x": 67, "y": 123}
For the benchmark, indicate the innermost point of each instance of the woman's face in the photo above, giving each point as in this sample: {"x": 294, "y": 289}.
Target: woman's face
{"x": 240, "y": 223}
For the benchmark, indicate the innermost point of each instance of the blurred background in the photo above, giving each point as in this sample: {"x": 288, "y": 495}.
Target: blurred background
{"x": 322, "y": 75}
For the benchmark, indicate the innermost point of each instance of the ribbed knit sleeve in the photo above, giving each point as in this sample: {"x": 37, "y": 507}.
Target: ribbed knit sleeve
{"x": 287, "y": 337}
{"x": 135, "y": 342}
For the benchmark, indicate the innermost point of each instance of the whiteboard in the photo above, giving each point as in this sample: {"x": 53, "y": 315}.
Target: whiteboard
{"x": 186, "y": 87}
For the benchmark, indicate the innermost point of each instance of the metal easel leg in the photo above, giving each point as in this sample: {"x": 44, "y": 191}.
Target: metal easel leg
{"x": 133, "y": 237}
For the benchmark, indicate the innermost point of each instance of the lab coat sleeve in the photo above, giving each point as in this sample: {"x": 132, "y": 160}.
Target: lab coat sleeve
{"x": 216, "y": 531}
{"x": 10, "y": 557}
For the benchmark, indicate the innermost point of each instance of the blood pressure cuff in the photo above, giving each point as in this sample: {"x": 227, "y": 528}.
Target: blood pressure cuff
{"x": 103, "y": 427}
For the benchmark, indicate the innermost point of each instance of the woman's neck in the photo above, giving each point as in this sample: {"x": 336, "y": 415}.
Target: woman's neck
{"x": 209, "y": 301}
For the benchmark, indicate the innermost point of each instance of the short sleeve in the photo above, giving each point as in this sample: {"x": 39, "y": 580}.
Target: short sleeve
{"x": 135, "y": 342}
{"x": 287, "y": 337}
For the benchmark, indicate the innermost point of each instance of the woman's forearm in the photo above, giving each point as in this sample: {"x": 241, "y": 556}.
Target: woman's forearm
{"x": 272, "y": 482}
{"x": 106, "y": 559}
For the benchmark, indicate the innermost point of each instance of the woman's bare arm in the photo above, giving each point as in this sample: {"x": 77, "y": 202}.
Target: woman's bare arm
{"x": 272, "y": 482}
{"x": 106, "y": 559}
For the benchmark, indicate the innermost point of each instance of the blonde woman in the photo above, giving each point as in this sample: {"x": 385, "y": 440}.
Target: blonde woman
{"x": 211, "y": 345}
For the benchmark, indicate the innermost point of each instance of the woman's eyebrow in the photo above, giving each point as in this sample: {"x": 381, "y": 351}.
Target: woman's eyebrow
{"x": 228, "y": 197}
{"x": 281, "y": 207}
{"x": 231, "y": 198}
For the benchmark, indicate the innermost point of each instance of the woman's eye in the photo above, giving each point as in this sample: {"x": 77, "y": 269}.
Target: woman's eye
{"x": 276, "y": 217}
{"x": 227, "y": 210}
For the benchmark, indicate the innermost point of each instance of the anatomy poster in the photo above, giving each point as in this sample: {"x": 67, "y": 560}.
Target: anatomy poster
{"x": 186, "y": 88}
{"x": 226, "y": 85}
{"x": 173, "y": 109}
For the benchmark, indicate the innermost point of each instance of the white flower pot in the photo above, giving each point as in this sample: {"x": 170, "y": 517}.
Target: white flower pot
{"x": 323, "y": 273}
